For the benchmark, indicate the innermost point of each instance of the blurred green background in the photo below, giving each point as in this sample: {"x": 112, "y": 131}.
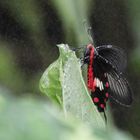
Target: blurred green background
{"x": 30, "y": 30}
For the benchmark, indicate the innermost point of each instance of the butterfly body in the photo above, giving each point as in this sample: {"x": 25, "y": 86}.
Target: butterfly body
{"x": 105, "y": 80}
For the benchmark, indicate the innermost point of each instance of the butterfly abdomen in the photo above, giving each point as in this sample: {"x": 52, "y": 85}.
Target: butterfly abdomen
{"x": 90, "y": 82}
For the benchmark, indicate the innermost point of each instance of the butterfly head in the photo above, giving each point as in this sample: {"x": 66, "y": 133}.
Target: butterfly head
{"x": 88, "y": 52}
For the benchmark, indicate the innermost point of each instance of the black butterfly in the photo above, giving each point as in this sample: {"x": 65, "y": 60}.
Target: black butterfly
{"x": 106, "y": 65}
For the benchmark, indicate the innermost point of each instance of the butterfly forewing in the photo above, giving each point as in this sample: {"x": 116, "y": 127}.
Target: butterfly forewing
{"x": 114, "y": 55}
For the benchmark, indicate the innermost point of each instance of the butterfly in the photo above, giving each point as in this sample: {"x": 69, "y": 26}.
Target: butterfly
{"x": 105, "y": 78}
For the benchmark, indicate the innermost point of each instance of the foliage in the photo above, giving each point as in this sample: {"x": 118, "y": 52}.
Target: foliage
{"x": 63, "y": 82}
{"x": 31, "y": 119}
{"x": 74, "y": 14}
{"x": 29, "y": 30}
{"x": 65, "y": 74}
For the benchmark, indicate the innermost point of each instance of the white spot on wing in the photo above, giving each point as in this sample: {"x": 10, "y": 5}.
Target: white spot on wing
{"x": 99, "y": 83}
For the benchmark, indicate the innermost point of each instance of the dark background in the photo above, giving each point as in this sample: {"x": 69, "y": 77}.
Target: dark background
{"x": 30, "y": 30}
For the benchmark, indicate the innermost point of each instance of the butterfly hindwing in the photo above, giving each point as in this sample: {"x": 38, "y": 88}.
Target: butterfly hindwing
{"x": 120, "y": 90}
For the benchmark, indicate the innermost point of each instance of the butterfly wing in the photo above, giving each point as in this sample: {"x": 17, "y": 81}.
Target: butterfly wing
{"x": 114, "y": 55}
{"x": 119, "y": 88}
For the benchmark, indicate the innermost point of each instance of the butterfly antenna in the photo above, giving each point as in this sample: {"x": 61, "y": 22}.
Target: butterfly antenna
{"x": 88, "y": 30}
{"x": 76, "y": 49}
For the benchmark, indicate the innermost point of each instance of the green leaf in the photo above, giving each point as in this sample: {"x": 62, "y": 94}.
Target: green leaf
{"x": 50, "y": 82}
{"x": 63, "y": 83}
{"x": 30, "y": 119}
{"x": 76, "y": 99}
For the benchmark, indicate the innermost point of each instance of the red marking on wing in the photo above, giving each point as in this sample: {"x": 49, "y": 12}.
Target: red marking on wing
{"x": 107, "y": 95}
{"x": 107, "y": 85}
{"x": 91, "y": 83}
{"x": 102, "y": 105}
{"x": 95, "y": 100}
